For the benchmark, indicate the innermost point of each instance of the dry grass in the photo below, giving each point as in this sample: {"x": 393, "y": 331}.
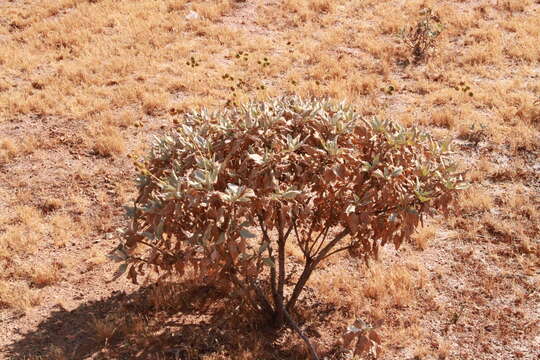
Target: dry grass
{"x": 82, "y": 83}
{"x": 17, "y": 295}
{"x": 394, "y": 285}
{"x": 40, "y": 275}
{"x": 12, "y": 148}
{"x": 476, "y": 199}
{"x": 108, "y": 141}
{"x": 424, "y": 235}
{"x": 105, "y": 329}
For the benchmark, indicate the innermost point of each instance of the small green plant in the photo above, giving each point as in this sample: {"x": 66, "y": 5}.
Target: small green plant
{"x": 421, "y": 38}
{"x": 222, "y": 196}
{"x": 192, "y": 62}
{"x": 463, "y": 87}
{"x": 476, "y": 133}
{"x": 389, "y": 90}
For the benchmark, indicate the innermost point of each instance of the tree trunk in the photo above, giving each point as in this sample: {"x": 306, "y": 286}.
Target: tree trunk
{"x": 302, "y": 280}
{"x": 310, "y": 266}
{"x": 280, "y": 316}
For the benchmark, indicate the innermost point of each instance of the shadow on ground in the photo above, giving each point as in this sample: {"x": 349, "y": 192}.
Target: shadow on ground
{"x": 152, "y": 323}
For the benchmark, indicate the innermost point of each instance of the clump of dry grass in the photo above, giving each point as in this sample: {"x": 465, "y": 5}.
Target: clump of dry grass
{"x": 55, "y": 353}
{"x": 338, "y": 280}
{"x": 394, "y": 285}
{"x": 104, "y": 329}
{"x": 424, "y": 235}
{"x": 482, "y": 169}
{"x": 11, "y": 148}
{"x": 476, "y": 198}
{"x": 108, "y": 141}
{"x": 17, "y": 295}
{"x": 514, "y": 5}
{"x": 21, "y": 237}
{"x": 40, "y": 274}
{"x": 18, "y": 239}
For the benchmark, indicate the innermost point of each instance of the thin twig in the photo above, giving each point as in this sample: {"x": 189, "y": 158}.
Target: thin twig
{"x": 338, "y": 250}
{"x": 322, "y": 241}
{"x": 302, "y": 244}
{"x": 155, "y": 248}
{"x": 330, "y": 245}
{"x": 325, "y": 229}
{"x": 296, "y": 328}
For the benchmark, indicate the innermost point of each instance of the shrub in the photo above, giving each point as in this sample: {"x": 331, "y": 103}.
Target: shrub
{"x": 223, "y": 195}
{"x": 421, "y": 38}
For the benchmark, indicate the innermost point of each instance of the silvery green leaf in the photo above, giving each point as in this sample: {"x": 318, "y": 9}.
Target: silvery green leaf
{"x": 366, "y": 166}
{"x": 379, "y": 173}
{"x": 257, "y": 158}
{"x": 249, "y": 193}
{"x": 422, "y": 196}
{"x": 120, "y": 271}
{"x": 268, "y": 262}
{"x": 398, "y": 171}
{"x": 246, "y": 234}
{"x": 290, "y": 194}
{"x": 168, "y": 187}
{"x": 130, "y": 211}
{"x": 235, "y": 189}
{"x": 159, "y": 229}
{"x": 148, "y": 235}
{"x": 263, "y": 247}
{"x": 376, "y": 160}
{"x": 225, "y": 197}
{"x": 449, "y": 185}
{"x": 118, "y": 254}
{"x": 199, "y": 175}
{"x": 353, "y": 329}
{"x": 245, "y": 224}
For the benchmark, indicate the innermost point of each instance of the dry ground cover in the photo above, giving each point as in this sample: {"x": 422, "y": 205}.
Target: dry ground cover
{"x": 85, "y": 83}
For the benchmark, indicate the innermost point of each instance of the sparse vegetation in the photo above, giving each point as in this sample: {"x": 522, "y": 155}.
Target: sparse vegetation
{"x": 421, "y": 38}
